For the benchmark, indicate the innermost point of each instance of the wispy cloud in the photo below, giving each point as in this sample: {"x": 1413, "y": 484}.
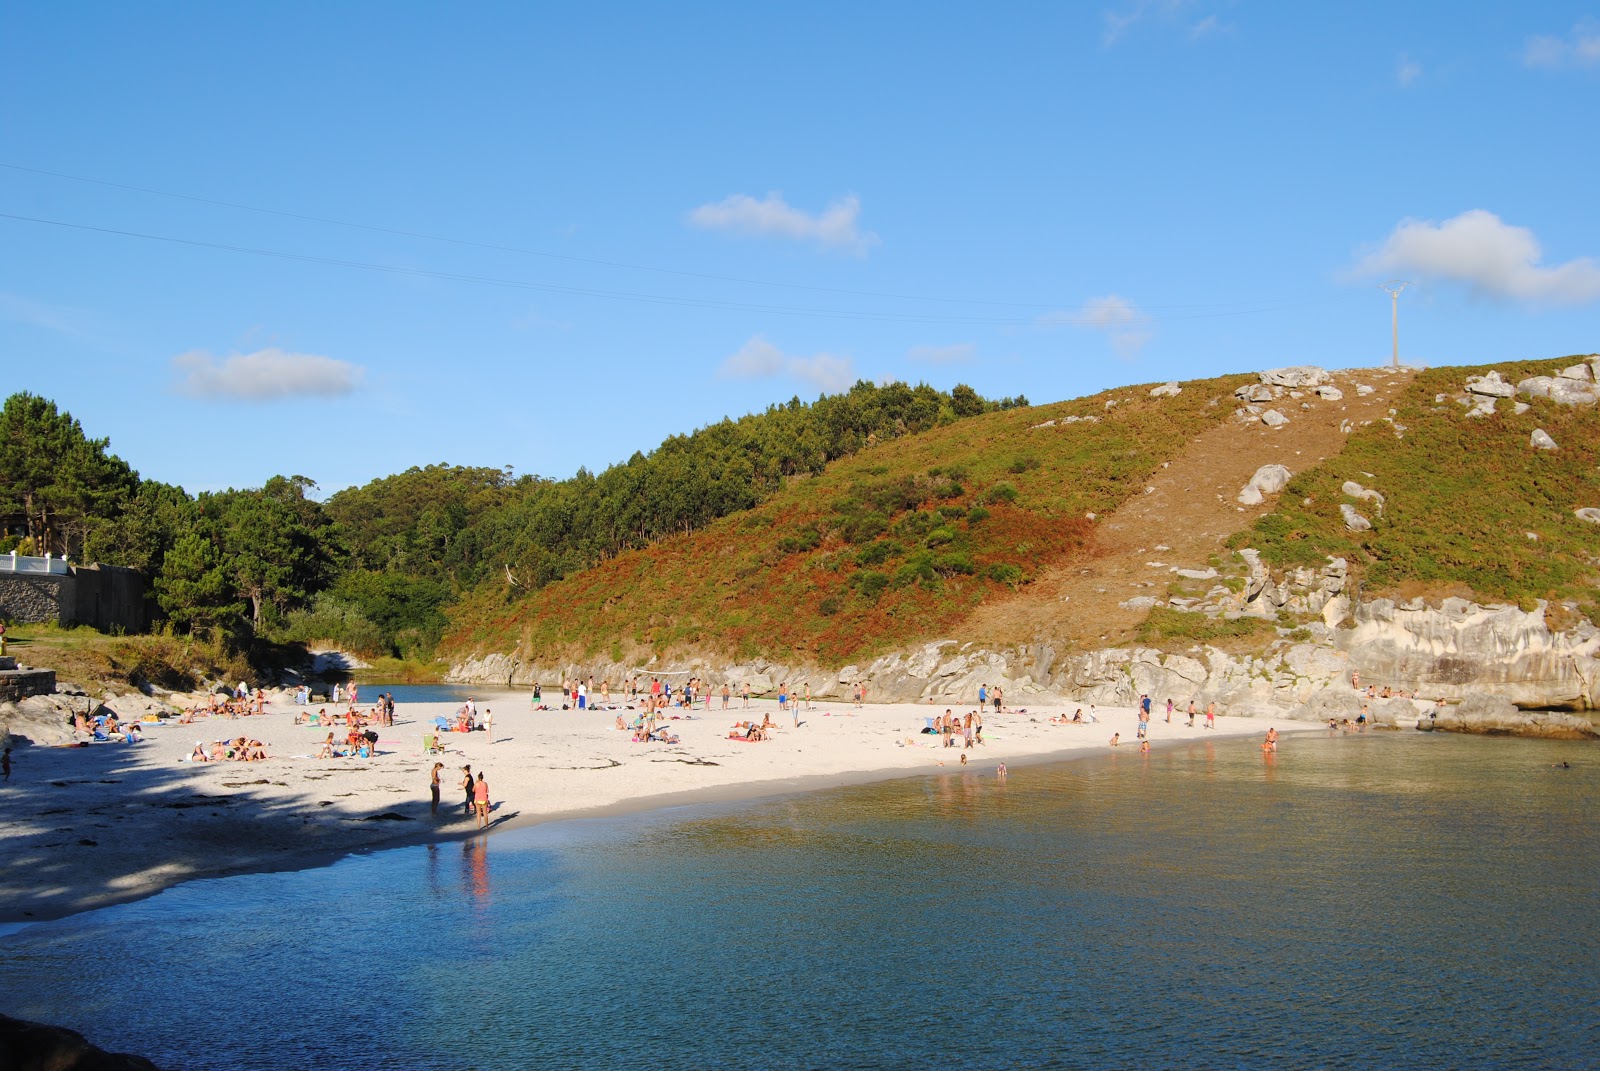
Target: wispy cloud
{"x": 1116, "y": 23}
{"x": 1127, "y": 328}
{"x": 1580, "y": 48}
{"x": 835, "y": 227}
{"x": 1488, "y": 255}
{"x": 955, "y": 354}
{"x": 16, "y": 308}
{"x": 265, "y": 375}
{"x": 1407, "y": 71}
{"x": 760, "y": 359}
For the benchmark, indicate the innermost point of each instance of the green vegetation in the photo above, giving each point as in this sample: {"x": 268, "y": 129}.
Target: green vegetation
{"x": 1462, "y": 495}
{"x": 894, "y": 543}
{"x": 378, "y": 568}
{"x": 1165, "y": 626}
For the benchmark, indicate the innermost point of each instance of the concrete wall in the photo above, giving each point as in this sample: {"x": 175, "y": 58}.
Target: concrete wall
{"x": 103, "y": 596}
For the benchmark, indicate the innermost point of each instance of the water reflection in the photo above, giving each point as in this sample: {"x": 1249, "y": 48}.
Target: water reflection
{"x": 1208, "y": 905}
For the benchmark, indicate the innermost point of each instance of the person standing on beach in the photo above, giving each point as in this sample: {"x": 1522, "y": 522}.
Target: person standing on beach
{"x": 1211, "y": 715}
{"x": 983, "y": 695}
{"x": 434, "y": 785}
{"x": 466, "y": 785}
{"x": 1169, "y": 710}
{"x": 999, "y": 698}
{"x": 488, "y": 723}
{"x": 1191, "y": 713}
{"x": 1144, "y": 717}
{"x": 480, "y": 800}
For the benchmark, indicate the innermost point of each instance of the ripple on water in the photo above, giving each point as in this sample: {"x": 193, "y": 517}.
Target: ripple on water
{"x": 1377, "y": 901}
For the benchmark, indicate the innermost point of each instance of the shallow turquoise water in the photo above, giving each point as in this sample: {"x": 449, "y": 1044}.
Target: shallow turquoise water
{"x": 1395, "y": 900}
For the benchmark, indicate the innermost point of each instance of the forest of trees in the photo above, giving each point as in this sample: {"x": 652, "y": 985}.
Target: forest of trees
{"x": 377, "y": 567}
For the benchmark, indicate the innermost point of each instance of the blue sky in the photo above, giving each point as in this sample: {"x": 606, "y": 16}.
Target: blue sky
{"x": 658, "y": 215}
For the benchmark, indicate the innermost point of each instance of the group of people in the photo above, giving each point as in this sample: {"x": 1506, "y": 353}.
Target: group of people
{"x": 359, "y": 743}
{"x": 997, "y": 697}
{"x": 239, "y": 749}
{"x": 475, "y": 792}
{"x": 106, "y": 728}
{"x": 952, "y": 728}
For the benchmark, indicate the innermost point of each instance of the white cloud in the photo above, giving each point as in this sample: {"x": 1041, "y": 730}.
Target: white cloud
{"x": 760, "y": 359}
{"x": 1492, "y": 257}
{"x": 265, "y": 375}
{"x": 1407, "y": 71}
{"x": 1205, "y": 28}
{"x": 955, "y": 354}
{"x": 1580, "y": 48}
{"x": 1127, "y": 327}
{"x": 835, "y": 227}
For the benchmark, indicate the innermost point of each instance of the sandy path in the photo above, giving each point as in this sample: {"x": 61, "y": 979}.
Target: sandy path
{"x": 83, "y": 827}
{"x": 1189, "y": 510}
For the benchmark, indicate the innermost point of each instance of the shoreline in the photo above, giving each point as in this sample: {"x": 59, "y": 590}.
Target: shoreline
{"x": 186, "y": 832}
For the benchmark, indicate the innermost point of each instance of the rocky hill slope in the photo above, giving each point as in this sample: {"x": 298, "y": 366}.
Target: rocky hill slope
{"x": 1251, "y": 539}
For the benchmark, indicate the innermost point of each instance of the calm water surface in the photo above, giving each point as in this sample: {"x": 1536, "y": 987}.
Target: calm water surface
{"x": 1385, "y": 901}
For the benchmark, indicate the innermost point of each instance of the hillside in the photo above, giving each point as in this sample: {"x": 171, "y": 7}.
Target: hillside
{"x": 899, "y": 541}
{"x": 982, "y": 529}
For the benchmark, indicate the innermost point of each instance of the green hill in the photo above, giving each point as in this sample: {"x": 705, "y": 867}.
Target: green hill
{"x": 891, "y": 544}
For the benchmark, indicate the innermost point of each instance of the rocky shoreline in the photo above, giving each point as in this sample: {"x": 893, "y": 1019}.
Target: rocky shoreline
{"x": 1498, "y": 668}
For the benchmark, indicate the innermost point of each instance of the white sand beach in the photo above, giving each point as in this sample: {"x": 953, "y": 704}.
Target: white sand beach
{"x": 83, "y": 827}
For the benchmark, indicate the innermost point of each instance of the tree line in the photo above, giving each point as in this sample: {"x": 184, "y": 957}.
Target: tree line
{"x": 377, "y": 567}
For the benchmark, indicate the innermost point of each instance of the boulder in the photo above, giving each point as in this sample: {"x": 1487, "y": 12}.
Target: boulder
{"x": 1540, "y": 440}
{"x": 1580, "y": 372}
{"x": 29, "y": 1046}
{"x": 1330, "y": 394}
{"x": 1354, "y": 521}
{"x": 1480, "y": 712}
{"x": 1560, "y": 390}
{"x": 1274, "y": 419}
{"x": 1355, "y": 490}
{"x": 1166, "y": 390}
{"x": 1303, "y": 375}
{"x": 1268, "y": 480}
{"x": 1256, "y": 392}
{"x": 1588, "y": 513}
{"x": 1362, "y": 389}
{"x": 45, "y": 720}
{"x": 1139, "y": 602}
{"x": 1483, "y": 407}
{"x": 1491, "y": 386}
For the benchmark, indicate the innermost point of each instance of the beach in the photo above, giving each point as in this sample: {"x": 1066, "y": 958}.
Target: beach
{"x": 89, "y": 826}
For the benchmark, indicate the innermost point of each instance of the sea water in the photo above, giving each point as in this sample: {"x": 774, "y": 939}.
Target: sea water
{"x": 1356, "y": 900}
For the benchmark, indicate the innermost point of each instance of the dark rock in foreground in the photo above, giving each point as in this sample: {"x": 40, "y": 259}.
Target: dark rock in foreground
{"x": 26, "y": 1046}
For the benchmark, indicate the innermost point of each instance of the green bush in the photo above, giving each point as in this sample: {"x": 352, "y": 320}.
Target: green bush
{"x": 878, "y": 553}
{"x": 977, "y": 515}
{"x": 1001, "y": 492}
{"x": 1006, "y": 573}
{"x": 869, "y": 584}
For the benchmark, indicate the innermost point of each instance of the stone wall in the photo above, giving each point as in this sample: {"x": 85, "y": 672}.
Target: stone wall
{"x": 38, "y": 598}
{"x": 105, "y": 597}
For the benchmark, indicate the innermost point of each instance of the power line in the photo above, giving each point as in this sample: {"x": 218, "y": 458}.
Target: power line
{"x": 622, "y": 295}
{"x": 404, "y": 233}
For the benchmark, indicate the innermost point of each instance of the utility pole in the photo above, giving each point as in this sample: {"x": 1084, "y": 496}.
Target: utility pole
{"x": 1394, "y": 286}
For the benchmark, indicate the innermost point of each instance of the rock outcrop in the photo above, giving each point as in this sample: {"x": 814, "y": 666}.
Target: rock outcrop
{"x": 26, "y": 1046}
